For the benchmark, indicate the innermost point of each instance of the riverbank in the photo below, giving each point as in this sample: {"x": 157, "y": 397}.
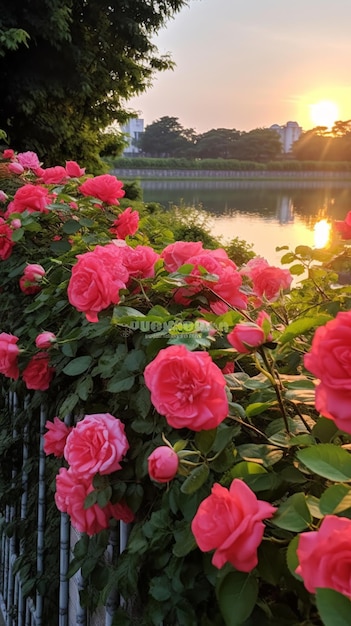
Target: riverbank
{"x": 232, "y": 175}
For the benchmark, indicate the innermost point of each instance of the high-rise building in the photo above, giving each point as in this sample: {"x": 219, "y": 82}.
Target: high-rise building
{"x": 288, "y": 134}
{"x": 133, "y": 129}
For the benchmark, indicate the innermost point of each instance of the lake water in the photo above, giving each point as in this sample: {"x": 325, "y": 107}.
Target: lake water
{"x": 264, "y": 213}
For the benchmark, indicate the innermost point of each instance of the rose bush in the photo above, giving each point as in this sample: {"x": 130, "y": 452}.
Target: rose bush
{"x": 205, "y": 402}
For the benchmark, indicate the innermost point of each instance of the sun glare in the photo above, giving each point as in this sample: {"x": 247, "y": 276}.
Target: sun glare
{"x": 324, "y": 113}
{"x": 321, "y": 233}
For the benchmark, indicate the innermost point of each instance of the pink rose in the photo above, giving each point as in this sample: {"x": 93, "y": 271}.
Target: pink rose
{"x": 29, "y": 160}
{"x": 227, "y": 285}
{"x": 38, "y": 374}
{"x": 15, "y": 168}
{"x": 127, "y": 223}
{"x": 8, "y": 154}
{"x": 73, "y": 170}
{"x": 45, "y": 340}
{"x": 254, "y": 267}
{"x": 71, "y": 492}
{"x": 30, "y": 198}
{"x": 120, "y": 511}
{"x": 96, "y": 280}
{"x": 269, "y": 282}
{"x": 30, "y": 282}
{"x": 325, "y": 556}
{"x": 230, "y": 522}
{"x": 228, "y": 368}
{"x": 343, "y": 227}
{"x": 8, "y": 355}
{"x": 104, "y": 187}
{"x": 329, "y": 360}
{"x": 96, "y": 444}
{"x": 6, "y": 243}
{"x": 177, "y": 254}
{"x": 16, "y": 223}
{"x": 163, "y": 464}
{"x": 139, "y": 261}
{"x": 55, "y": 437}
{"x": 53, "y": 175}
{"x": 187, "y": 388}
{"x": 248, "y": 336}
{"x": 3, "y": 196}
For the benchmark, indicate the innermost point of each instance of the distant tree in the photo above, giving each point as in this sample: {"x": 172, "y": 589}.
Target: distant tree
{"x": 217, "y": 143}
{"x": 322, "y": 144}
{"x": 82, "y": 61}
{"x": 260, "y": 144}
{"x": 166, "y": 137}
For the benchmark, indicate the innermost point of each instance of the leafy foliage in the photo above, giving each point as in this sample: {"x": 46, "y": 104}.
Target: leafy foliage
{"x": 273, "y": 439}
{"x": 81, "y": 62}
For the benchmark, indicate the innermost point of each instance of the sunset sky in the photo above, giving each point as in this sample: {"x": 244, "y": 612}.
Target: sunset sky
{"x": 247, "y": 64}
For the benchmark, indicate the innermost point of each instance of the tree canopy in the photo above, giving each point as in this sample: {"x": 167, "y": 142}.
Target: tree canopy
{"x": 322, "y": 144}
{"x": 81, "y": 62}
{"x": 166, "y": 137}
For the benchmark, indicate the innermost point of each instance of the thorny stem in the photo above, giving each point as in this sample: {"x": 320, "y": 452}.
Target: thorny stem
{"x": 276, "y": 386}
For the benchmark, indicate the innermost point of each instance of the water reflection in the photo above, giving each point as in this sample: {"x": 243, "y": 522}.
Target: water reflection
{"x": 263, "y": 213}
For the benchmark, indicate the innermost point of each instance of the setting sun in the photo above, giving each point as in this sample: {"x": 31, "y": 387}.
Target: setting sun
{"x": 324, "y": 113}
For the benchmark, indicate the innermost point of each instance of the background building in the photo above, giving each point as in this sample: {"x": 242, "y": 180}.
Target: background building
{"x": 133, "y": 130}
{"x": 288, "y": 134}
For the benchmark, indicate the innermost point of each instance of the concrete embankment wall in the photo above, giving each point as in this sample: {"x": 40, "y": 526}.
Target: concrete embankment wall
{"x": 157, "y": 174}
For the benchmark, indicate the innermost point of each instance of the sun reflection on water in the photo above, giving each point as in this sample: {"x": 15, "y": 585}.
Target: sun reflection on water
{"x": 321, "y": 233}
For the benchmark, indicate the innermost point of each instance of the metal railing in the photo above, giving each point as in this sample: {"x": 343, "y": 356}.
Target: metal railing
{"x": 19, "y": 608}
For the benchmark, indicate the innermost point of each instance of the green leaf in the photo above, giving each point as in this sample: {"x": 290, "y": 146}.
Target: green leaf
{"x": 291, "y": 557}
{"x": 84, "y": 387}
{"x": 297, "y": 269}
{"x": 334, "y": 608}
{"x": 160, "y": 588}
{"x": 301, "y": 326}
{"x": 135, "y": 360}
{"x": 289, "y": 257}
{"x": 123, "y": 381}
{"x": 246, "y": 468}
{"x": 69, "y": 404}
{"x": 17, "y": 234}
{"x": 196, "y": 479}
{"x": 204, "y": 440}
{"x": 236, "y": 594}
{"x": 293, "y": 514}
{"x": 70, "y": 227}
{"x": 327, "y": 460}
{"x": 184, "y": 541}
{"x": 264, "y": 454}
{"x": 60, "y": 247}
{"x": 335, "y": 499}
{"x": 256, "y": 408}
{"x": 304, "y": 251}
{"x": 77, "y": 365}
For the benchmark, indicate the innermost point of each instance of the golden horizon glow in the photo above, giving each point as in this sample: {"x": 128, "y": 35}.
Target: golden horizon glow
{"x": 324, "y": 113}
{"x": 321, "y": 232}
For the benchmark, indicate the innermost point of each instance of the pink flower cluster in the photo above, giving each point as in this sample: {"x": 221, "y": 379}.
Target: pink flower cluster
{"x": 36, "y": 375}
{"x": 330, "y": 360}
{"x": 223, "y": 291}
{"x": 98, "y": 276}
{"x": 96, "y": 445}
{"x": 25, "y": 162}
{"x": 267, "y": 281}
{"x": 187, "y": 388}
{"x": 230, "y": 522}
